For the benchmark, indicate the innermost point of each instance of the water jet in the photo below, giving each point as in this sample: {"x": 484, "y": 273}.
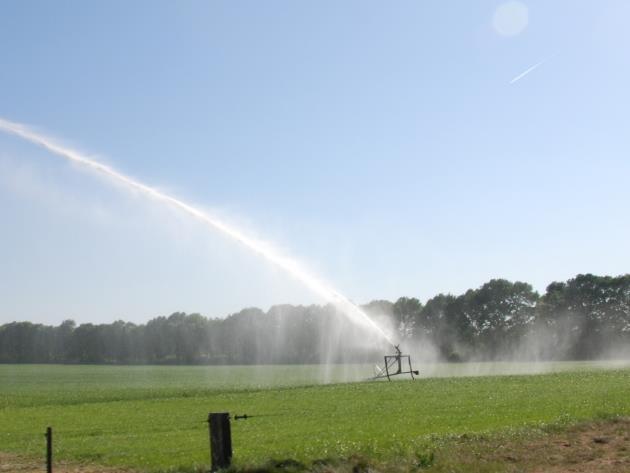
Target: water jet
{"x": 289, "y": 265}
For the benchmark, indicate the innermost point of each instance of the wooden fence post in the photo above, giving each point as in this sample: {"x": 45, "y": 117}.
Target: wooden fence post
{"x": 220, "y": 440}
{"x": 49, "y": 455}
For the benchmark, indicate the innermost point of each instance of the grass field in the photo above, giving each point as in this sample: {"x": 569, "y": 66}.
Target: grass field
{"x": 153, "y": 418}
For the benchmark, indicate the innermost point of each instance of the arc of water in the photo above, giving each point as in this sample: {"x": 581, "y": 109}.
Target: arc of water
{"x": 324, "y": 290}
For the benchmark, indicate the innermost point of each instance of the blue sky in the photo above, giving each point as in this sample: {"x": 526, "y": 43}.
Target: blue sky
{"x": 381, "y": 144}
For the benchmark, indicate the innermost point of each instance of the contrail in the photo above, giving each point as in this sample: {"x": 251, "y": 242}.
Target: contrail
{"x": 527, "y": 71}
{"x": 351, "y": 310}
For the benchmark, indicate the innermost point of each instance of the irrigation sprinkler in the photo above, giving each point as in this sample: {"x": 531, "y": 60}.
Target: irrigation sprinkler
{"x": 393, "y": 366}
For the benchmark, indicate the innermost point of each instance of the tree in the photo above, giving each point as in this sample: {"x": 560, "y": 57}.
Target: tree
{"x": 407, "y": 311}
{"x": 498, "y": 313}
{"x": 590, "y": 314}
{"x": 585, "y": 317}
{"x": 438, "y": 322}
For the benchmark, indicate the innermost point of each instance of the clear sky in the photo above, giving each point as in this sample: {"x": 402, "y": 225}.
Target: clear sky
{"x": 396, "y": 148}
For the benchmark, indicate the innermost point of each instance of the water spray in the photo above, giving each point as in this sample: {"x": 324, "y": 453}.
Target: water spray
{"x": 289, "y": 265}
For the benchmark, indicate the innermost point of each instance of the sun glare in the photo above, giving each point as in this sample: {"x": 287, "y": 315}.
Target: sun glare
{"x": 510, "y": 18}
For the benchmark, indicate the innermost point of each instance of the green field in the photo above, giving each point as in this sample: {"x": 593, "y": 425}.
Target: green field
{"x": 152, "y": 418}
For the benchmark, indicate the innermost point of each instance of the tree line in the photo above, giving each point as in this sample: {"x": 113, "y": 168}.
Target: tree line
{"x": 586, "y": 317}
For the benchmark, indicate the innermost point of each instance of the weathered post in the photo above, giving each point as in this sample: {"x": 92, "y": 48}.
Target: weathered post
{"x": 220, "y": 440}
{"x": 49, "y": 468}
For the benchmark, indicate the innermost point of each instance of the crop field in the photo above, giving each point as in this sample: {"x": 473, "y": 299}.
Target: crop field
{"x": 153, "y": 418}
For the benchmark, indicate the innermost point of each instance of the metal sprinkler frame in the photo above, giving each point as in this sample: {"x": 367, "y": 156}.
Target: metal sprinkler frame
{"x": 393, "y": 366}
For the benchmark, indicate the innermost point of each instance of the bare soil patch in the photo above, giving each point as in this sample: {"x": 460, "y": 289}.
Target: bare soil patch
{"x": 602, "y": 447}
{"x": 10, "y": 463}
{"x": 594, "y": 447}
